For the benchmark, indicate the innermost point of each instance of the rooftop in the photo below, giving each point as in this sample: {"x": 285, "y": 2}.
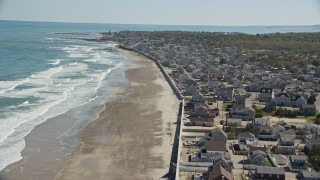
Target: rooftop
{"x": 216, "y": 146}
{"x": 269, "y": 170}
{"x": 246, "y": 135}
{"x": 293, "y": 133}
{"x": 307, "y": 174}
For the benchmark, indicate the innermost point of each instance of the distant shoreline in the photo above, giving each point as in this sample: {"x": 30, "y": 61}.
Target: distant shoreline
{"x": 105, "y": 27}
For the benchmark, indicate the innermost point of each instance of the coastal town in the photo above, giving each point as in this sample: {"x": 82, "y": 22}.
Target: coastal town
{"x": 250, "y": 106}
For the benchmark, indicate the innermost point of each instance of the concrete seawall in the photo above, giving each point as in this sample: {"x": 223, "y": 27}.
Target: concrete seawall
{"x": 165, "y": 74}
{"x": 177, "y": 144}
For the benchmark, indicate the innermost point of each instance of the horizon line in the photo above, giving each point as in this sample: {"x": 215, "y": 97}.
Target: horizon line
{"x": 40, "y": 21}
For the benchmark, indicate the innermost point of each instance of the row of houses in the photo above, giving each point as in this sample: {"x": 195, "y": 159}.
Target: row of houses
{"x": 226, "y": 74}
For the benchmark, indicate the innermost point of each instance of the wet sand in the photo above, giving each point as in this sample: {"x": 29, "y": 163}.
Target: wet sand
{"x": 133, "y": 136}
{"x": 49, "y": 145}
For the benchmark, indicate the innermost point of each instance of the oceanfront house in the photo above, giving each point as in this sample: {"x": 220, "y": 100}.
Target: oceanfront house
{"x": 191, "y": 90}
{"x": 298, "y": 162}
{"x": 306, "y": 175}
{"x": 307, "y": 110}
{"x": 217, "y": 134}
{"x": 222, "y": 161}
{"x": 261, "y": 121}
{"x": 234, "y": 122}
{"x": 216, "y": 144}
{"x": 245, "y": 114}
{"x": 219, "y": 173}
{"x": 199, "y": 105}
{"x": 266, "y": 94}
{"x": 201, "y": 121}
{"x": 258, "y": 157}
{"x": 265, "y": 132}
{"x": 269, "y": 173}
{"x": 196, "y": 99}
{"x": 204, "y": 111}
{"x": 212, "y": 149}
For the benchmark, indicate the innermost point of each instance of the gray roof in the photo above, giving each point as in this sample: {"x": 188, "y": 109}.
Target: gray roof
{"x": 220, "y": 156}
{"x": 286, "y": 138}
{"x": 269, "y": 170}
{"x": 308, "y": 106}
{"x": 313, "y": 175}
{"x": 299, "y": 157}
{"x": 217, "y": 133}
{"x": 216, "y": 146}
{"x": 255, "y": 152}
{"x": 246, "y": 135}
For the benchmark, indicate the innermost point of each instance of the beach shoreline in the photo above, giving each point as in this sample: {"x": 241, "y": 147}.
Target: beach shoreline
{"x": 132, "y": 137}
{"x": 49, "y": 145}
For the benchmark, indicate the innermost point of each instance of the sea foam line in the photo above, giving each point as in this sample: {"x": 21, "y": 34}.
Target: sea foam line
{"x": 53, "y": 105}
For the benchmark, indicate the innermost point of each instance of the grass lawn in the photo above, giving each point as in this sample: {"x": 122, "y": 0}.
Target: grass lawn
{"x": 261, "y": 103}
{"x": 225, "y": 106}
{"x": 310, "y": 119}
{"x": 269, "y": 163}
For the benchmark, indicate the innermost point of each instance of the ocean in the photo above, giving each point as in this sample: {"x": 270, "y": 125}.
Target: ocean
{"x": 46, "y": 70}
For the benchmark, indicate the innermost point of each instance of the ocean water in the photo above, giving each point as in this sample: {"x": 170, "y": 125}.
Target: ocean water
{"x": 44, "y": 74}
{"x": 47, "y": 70}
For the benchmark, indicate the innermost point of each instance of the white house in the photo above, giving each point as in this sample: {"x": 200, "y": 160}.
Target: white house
{"x": 261, "y": 121}
{"x": 234, "y": 121}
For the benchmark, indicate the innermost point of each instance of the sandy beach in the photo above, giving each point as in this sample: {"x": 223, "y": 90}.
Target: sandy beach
{"x": 133, "y": 136}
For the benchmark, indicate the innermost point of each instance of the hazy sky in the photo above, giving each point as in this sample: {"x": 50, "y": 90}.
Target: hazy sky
{"x": 199, "y": 12}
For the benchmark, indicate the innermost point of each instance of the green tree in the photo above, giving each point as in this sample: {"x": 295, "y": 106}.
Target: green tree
{"x": 259, "y": 113}
{"x": 317, "y": 120}
{"x": 311, "y": 99}
{"x": 315, "y": 62}
{"x": 252, "y": 129}
{"x": 233, "y": 131}
{"x": 314, "y": 157}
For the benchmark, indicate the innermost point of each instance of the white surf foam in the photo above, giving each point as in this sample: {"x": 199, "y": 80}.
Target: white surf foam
{"x": 55, "y": 62}
{"x": 58, "y": 90}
